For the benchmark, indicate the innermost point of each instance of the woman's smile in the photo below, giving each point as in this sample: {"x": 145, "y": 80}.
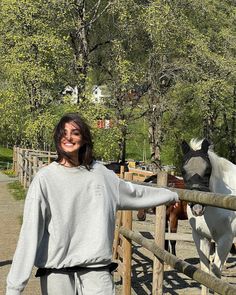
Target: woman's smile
{"x": 71, "y": 141}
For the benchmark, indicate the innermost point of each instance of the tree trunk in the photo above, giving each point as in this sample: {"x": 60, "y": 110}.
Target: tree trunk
{"x": 155, "y": 149}
{"x": 79, "y": 44}
{"x": 155, "y": 135}
{"x": 122, "y": 144}
{"x": 209, "y": 120}
{"x": 122, "y": 156}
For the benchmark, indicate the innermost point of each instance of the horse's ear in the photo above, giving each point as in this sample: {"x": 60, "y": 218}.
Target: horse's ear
{"x": 205, "y": 145}
{"x": 185, "y": 147}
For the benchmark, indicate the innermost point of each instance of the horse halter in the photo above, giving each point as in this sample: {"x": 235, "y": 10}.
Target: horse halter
{"x": 196, "y": 181}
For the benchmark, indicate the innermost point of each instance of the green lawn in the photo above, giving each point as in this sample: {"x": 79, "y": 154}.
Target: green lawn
{"x": 5, "y": 158}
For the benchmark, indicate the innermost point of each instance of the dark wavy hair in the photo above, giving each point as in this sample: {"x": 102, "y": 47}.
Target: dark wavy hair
{"x": 85, "y": 153}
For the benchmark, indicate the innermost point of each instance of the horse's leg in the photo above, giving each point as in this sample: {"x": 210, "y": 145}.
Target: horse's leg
{"x": 203, "y": 246}
{"x": 212, "y": 252}
{"x": 223, "y": 247}
{"x": 233, "y": 249}
{"x": 141, "y": 215}
{"x": 167, "y": 248}
{"x": 173, "y": 229}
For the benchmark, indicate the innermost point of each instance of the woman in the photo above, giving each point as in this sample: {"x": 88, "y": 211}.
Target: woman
{"x": 69, "y": 218}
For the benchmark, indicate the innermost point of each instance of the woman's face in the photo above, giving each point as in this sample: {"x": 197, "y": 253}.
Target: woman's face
{"x": 72, "y": 140}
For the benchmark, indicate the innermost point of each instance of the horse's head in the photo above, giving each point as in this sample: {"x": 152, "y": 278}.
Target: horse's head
{"x": 196, "y": 169}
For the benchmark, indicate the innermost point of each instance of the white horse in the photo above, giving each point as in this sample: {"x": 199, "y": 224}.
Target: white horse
{"x": 204, "y": 170}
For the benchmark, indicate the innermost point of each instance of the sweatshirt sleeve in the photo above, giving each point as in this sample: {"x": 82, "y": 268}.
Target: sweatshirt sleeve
{"x": 30, "y": 235}
{"x": 135, "y": 196}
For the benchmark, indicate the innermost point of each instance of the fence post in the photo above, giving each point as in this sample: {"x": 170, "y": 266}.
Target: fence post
{"x": 17, "y": 160}
{"x": 122, "y": 171}
{"x": 127, "y": 251}
{"x": 128, "y": 176}
{"x": 30, "y": 169}
{"x": 21, "y": 165}
{"x": 116, "y": 241}
{"x": 35, "y": 164}
{"x": 49, "y": 157}
{"x": 40, "y": 164}
{"x": 14, "y": 158}
{"x": 158, "y": 267}
{"x": 25, "y": 169}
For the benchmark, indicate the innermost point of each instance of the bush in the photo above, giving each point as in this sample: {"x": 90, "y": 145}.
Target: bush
{"x": 5, "y": 158}
{"x": 9, "y": 172}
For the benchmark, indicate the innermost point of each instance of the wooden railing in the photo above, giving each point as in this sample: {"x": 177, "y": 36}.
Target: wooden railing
{"x": 26, "y": 162}
{"x": 214, "y": 283}
{"x": 156, "y": 246}
{"x": 138, "y": 174}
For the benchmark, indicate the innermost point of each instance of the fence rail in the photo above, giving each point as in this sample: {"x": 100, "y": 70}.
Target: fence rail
{"x": 157, "y": 246}
{"x": 206, "y": 198}
{"x": 26, "y": 162}
{"x": 191, "y": 271}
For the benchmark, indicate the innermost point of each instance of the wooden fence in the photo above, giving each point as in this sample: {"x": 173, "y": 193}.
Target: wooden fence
{"x": 189, "y": 270}
{"x": 157, "y": 246}
{"x": 26, "y": 162}
{"x": 137, "y": 174}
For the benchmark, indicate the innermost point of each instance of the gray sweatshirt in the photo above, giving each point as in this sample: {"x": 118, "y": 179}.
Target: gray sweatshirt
{"x": 69, "y": 218}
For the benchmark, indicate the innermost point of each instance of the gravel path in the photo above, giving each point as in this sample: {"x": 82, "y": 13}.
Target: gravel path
{"x": 174, "y": 283}
{"x": 11, "y": 211}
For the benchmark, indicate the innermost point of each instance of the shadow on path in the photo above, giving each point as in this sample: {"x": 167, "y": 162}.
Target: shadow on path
{"x": 6, "y": 262}
{"x": 141, "y": 278}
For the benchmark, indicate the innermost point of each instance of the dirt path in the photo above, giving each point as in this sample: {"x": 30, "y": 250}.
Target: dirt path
{"x": 174, "y": 283}
{"x": 11, "y": 210}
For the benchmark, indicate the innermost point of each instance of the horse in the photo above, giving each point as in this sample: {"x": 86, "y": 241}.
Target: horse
{"x": 172, "y": 214}
{"x": 204, "y": 170}
{"x": 115, "y": 166}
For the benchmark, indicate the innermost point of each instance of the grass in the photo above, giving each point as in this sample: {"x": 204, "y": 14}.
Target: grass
{"x": 9, "y": 172}
{"x": 6, "y": 155}
{"x": 17, "y": 190}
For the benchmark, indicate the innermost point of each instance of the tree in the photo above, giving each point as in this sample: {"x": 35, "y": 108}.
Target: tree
{"x": 43, "y": 49}
{"x": 31, "y": 50}
{"x": 186, "y": 53}
{"x": 170, "y": 61}
{"x": 82, "y": 17}
{"x": 122, "y": 68}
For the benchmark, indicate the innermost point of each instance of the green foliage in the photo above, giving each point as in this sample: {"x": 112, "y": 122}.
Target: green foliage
{"x": 5, "y": 158}
{"x": 105, "y": 140}
{"x": 38, "y": 132}
{"x": 105, "y": 143}
{"x": 172, "y": 62}
{"x": 17, "y": 190}
{"x": 34, "y": 59}
{"x": 10, "y": 173}
{"x": 6, "y": 154}
{"x": 138, "y": 147}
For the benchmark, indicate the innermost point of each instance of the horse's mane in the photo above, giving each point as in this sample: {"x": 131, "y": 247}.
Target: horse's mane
{"x": 196, "y": 144}
{"x": 221, "y": 167}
